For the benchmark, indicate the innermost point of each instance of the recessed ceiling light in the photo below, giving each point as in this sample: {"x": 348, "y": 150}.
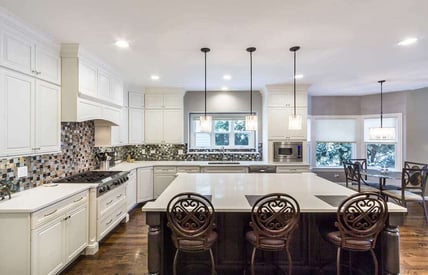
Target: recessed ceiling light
{"x": 408, "y": 41}
{"x": 224, "y": 88}
{"x": 122, "y": 43}
{"x": 227, "y": 77}
{"x": 298, "y": 76}
{"x": 154, "y": 77}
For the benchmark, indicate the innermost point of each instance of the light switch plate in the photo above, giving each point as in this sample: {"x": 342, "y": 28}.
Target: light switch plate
{"x": 22, "y": 171}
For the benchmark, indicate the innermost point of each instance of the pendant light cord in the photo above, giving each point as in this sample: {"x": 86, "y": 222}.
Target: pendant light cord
{"x": 251, "y": 83}
{"x": 381, "y": 102}
{"x": 205, "y": 53}
{"x": 294, "y": 78}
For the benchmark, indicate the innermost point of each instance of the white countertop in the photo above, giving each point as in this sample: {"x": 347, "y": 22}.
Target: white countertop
{"x": 34, "y": 199}
{"x": 127, "y": 166}
{"x": 228, "y": 191}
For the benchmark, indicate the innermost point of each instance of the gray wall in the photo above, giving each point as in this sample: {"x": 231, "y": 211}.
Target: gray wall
{"x": 221, "y": 101}
{"x": 417, "y": 126}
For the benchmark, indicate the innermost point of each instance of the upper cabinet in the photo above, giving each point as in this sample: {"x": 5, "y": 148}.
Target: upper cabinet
{"x": 23, "y": 53}
{"x": 91, "y": 89}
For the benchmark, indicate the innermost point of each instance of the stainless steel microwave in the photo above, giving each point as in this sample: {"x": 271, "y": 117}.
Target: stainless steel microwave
{"x": 287, "y": 151}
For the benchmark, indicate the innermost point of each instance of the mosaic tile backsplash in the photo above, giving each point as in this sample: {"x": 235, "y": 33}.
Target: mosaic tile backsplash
{"x": 77, "y": 155}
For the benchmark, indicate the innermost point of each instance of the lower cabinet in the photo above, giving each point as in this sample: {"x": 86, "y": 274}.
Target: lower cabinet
{"x": 225, "y": 169}
{"x": 144, "y": 184}
{"x": 162, "y": 177}
{"x": 60, "y": 234}
{"x": 131, "y": 189}
{"x": 292, "y": 169}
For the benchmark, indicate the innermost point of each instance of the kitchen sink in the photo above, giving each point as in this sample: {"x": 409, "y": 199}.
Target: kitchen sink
{"x": 223, "y": 162}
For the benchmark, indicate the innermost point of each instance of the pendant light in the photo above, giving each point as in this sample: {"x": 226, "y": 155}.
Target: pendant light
{"x": 251, "y": 118}
{"x": 294, "y": 120}
{"x": 205, "y": 121}
{"x": 382, "y": 133}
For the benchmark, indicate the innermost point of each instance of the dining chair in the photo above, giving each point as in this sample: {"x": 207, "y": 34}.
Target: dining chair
{"x": 413, "y": 187}
{"x": 362, "y": 163}
{"x": 353, "y": 176}
{"x": 360, "y": 219}
{"x": 191, "y": 218}
{"x": 274, "y": 217}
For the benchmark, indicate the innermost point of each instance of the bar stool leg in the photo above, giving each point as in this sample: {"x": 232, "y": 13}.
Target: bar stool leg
{"x": 375, "y": 261}
{"x": 253, "y": 255}
{"x": 338, "y": 261}
{"x": 174, "y": 265}
{"x": 290, "y": 262}
{"x": 213, "y": 272}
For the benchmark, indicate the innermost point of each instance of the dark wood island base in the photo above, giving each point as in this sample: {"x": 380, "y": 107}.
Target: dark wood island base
{"x": 310, "y": 253}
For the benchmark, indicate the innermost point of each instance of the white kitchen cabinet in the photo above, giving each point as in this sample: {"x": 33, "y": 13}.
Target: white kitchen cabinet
{"x": 278, "y": 124}
{"x": 136, "y": 100}
{"x": 87, "y": 78}
{"x": 24, "y": 54}
{"x": 116, "y": 90}
{"x": 119, "y": 134}
{"x": 136, "y": 126}
{"x": 144, "y": 184}
{"x": 103, "y": 85}
{"x": 286, "y": 169}
{"x": 188, "y": 169}
{"x": 47, "y": 117}
{"x": 224, "y": 169}
{"x": 162, "y": 177}
{"x": 60, "y": 233}
{"x": 131, "y": 190}
{"x": 286, "y": 99}
{"x": 163, "y": 126}
{"x": 168, "y": 101}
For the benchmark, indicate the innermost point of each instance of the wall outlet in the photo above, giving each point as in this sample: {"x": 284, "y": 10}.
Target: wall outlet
{"x": 152, "y": 151}
{"x": 180, "y": 151}
{"x": 22, "y": 171}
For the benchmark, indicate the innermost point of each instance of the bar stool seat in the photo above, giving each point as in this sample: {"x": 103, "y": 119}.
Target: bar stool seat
{"x": 266, "y": 243}
{"x": 196, "y": 244}
{"x": 351, "y": 244}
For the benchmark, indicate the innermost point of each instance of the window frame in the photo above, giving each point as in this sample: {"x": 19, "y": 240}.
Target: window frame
{"x": 194, "y": 116}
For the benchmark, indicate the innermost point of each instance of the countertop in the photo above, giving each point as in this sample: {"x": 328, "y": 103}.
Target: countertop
{"x": 228, "y": 191}
{"x": 127, "y": 166}
{"x": 34, "y": 199}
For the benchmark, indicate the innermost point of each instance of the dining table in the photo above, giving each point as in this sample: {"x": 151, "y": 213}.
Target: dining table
{"x": 383, "y": 175}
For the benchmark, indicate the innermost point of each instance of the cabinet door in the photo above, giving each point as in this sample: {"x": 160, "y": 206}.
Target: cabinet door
{"x": 104, "y": 86}
{"x": 131, "y": 190}
{"x": 172, "y": 101}
{"x": 153, "y": 101}
{"x": 48, "y": 64}
{"x": 76, "y": 232}
{"x": 116, "y": 91}
{"x": 153, "y": 120}
{"x": 298, "y": 134}
{"x": 144, "y": 184}
{"x": 47, "y": 248}
{"x": 124, "y": 127}
{"x": 160, "y": 183}
{"x": 87, "y": 79}
{"x": 48, "y": 117}
{"x": 277, "y": 123}
{"x": 173, "y": 126}
{"x": 136, "y": 100}
{"x": 17, "y": 96}
{"x": 18, "y": 52}
{"x": 136, "y": 125}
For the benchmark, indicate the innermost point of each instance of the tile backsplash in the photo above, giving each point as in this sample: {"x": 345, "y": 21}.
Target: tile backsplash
{"x": 77, "y": 155}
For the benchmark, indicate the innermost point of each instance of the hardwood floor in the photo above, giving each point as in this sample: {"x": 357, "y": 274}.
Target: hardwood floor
{"x": 124, "y": 251}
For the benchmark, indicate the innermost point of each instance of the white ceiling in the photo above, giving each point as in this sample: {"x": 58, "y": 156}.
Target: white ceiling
{"x": 346, "y": 45}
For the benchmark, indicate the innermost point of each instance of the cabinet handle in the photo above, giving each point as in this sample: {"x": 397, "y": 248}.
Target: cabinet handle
{"x": 78, "y": 199}
{"x": 119, "y": 196}
{"x": 109, "y": 202}
{"x": 38, "y": 73}
{"x": 109, "y": 222}
{"x": 66, "y": 218}
{"x": 120, "y": 213}
{"x": 51, "y": 213}
{"x": 34, "y": 71}
{"x": 37, "y": 148}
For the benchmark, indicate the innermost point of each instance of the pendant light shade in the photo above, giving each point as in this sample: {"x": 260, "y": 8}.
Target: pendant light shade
{"x": 205, "y": 120}
{"x": 382, "y": 133}
{"x": 251, "y": 118}
{"x": 294, "y": 120}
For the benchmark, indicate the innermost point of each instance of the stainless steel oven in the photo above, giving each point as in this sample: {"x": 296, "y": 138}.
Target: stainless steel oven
{"x": 287, "y": 151}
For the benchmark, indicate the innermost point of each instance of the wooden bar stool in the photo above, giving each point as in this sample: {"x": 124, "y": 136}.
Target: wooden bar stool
{"x": 191, "y": 218}
{"x": 274, "y": 217}
{"x": 360, "y": 219}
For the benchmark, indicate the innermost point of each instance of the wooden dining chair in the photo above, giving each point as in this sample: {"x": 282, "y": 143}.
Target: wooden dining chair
{"x": 274, "y": 217}
{"x": 414, "y": 182}
{"x": 191, "y": 218}
{"x": 360, "y": 219}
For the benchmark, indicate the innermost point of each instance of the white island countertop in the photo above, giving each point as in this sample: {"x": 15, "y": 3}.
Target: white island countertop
{"x": 228, "y": 191}
{"x": 127, "y": 166}
{"x": 34, "y": 199}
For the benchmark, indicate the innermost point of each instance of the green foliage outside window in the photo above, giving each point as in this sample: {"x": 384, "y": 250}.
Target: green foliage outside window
{"x": 332, "y": 154}
{"x": 381, "y": 155}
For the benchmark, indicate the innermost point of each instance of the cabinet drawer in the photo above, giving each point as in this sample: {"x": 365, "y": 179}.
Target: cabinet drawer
{"x": 188, "y": 169}
{"x": 229, "y": 169}
{"x": 165, "y": 170}
{"x": 294, "y": 169}
{"x": 51, "y": 212}
{"x": 110, "y": 200}
{"x": 111, "y": 219}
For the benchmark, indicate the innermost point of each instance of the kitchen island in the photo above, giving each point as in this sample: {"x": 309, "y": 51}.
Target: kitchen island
{"x": 227, "y": 192}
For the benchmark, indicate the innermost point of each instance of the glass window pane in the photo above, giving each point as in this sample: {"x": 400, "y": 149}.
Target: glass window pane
{"x": 221, "y": 139}
{"x": 221, "y": 126}
{"x": 331, "y": 154}
{"x": 239, "y": 125}
{"x": 241, "y": 139}
{"x": 203, "y": 140}
{"x": 381, "y": 155}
